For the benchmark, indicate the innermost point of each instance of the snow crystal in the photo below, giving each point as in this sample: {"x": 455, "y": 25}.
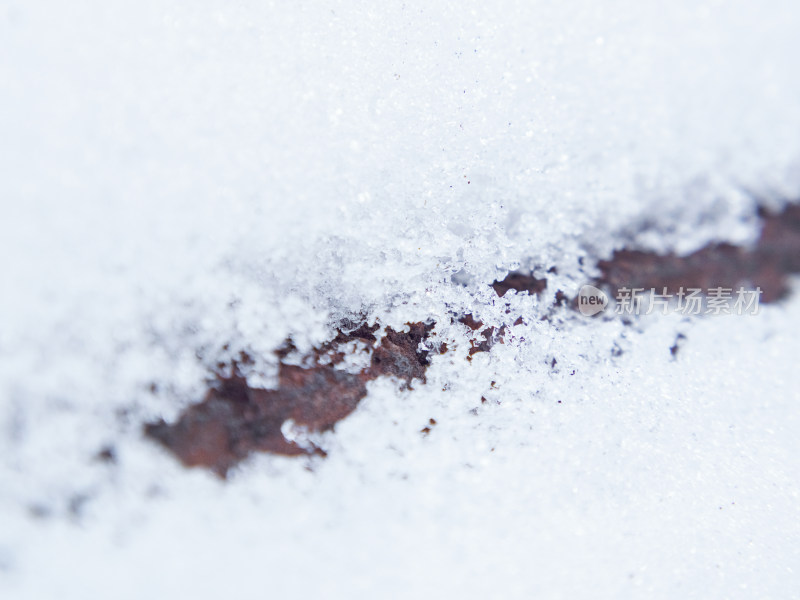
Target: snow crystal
{"x": 182, "y": 182}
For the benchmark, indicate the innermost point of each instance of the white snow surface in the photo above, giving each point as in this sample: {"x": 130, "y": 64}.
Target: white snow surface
{"x": 181, "y": 181}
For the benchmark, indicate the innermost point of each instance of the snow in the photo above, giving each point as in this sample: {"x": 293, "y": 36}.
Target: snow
{"x": 179, "y": 176}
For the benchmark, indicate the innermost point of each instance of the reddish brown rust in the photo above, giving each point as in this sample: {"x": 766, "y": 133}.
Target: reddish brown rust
{"x": 520, "y": 282}
{"x": 767, "y": 265}
{"x": 235, "y": 419}
{"x": 482, "y": 341}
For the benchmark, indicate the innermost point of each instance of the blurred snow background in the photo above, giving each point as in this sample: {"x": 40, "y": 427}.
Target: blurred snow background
{"x": 178, "y": 176}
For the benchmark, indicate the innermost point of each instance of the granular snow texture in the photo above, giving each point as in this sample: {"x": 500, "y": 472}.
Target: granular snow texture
{"x": 185, "y": 186}
{"x": 235, "y": 419}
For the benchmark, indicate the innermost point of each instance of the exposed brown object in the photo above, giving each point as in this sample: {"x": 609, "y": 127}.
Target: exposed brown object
{"x": 775, "y": 255}
{"x": 471, "y": 322}
{"x": 779, "y": 243}
{"x": 235, "y": 419}
{"x": 397, "y": 355}
{"x": 427, "y": 429}
{"x": 520, "y": 282}
{"x": 483, "y": 338}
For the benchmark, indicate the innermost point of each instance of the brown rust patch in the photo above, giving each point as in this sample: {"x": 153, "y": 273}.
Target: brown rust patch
{"x": 520, "y": 282}
{"x": 779, "y": 243}
{"x": 397, "y": 354}
{"x": 767, "y": 265}
{"x": 235, "y": 419}
{"x": 483, "y": 336}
